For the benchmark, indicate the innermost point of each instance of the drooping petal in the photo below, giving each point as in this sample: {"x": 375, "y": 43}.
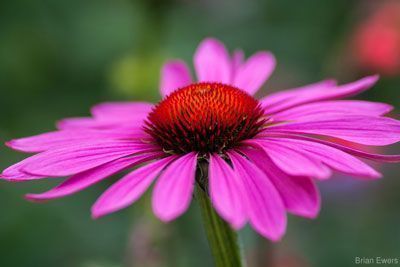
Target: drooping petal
{"x": 332, "y": 157}
{"x": 366, "y": 130}
{"x": 71, "y": 160}
{"x": 325, "y": 90}
{"x": 87, "y": 178}
{"x": 251, "y": 75}
{"x": 277, "y": 101}
{"x": 299, "y": 193}
{"x": 121, "y": 110}
{"x": 265, "y": 207}
{"x": 173, "y": 190}
{"x": 351, "y": 150}
{"x": 129, "y": 188}
{"x": 292, "y": 162}
{"x": 212, "y": 62}
{"x": 226, "y": 192}
{"x": 333, "y": 108}
{"x": 174, "y": 75}
{"x": 57, "y": 139}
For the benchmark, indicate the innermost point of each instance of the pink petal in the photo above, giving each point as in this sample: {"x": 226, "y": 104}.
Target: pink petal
{"x": 121, "y": 110}
{"x": 325, "y": 90}
{"x": 129, "y": 188}
{"x": 226, "y": 192}
{"x": 299, "y": 193}
{"x": 212, "y": 62}
{"x": 87, "y": 178}
{"x": 58, "y": 139}
{"x": 134, "y": 123}
{"x": 173, "y": 190}
{"x": 327, "y": 155}
{"x": 174, "y": 75}
{"x": 331, "y": 108}
{"x": 265, "y": 207}
{"x": 15, "y": 174}
{"x": 350, "y": 150}
{"x": 110, "y": 115}
{"x": 237, "y": 60}
{"x": 71, "y": 160}
{"x": 78, "y": 122}
{"x": 366, "y": 130}
{"x": 278, "y": 99}
{"x": 292, "y": 162}
{"x": 254, "y": 72}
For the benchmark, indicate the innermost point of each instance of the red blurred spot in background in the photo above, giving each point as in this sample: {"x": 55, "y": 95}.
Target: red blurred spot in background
{"x": 377, "y": 40}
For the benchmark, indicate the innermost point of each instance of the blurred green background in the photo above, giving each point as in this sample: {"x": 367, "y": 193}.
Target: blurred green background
{"x": 58, "y": 57}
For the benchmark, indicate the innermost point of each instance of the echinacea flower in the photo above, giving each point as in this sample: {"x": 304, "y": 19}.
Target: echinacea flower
{"x": 263, "y": 156}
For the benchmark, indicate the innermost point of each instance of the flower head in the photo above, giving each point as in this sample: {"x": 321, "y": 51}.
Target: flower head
{"x": 263, "y": 156}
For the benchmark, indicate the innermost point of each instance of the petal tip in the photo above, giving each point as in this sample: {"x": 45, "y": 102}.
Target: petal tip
{"x": 95, "y": 216}
{"x": 14, "y": 144}
{"x": 372, "y": 174}
{"x": 210, "y": 40}
{"x": 309, "y": 214}
{"x": 35, "y": 198}
{"x": 275, "y": 238}
{"x": 164, "y": 217}
{"x": 269, "y": 55}
{"x": 173, "y": 63}
{"x": 101, "y": 209}
{"x": 237, "y": 225}
{"x": 330, "y": 82}
{"x": 370, "y": 80}
{"x": 4, "y": 177}
{"x": 374, "y": 77}
{"x": 377, "y": 175}
{"x": 10, "y": 143}
{"x": 11, "y": 178}
{"x": 97, "y": 213}
{"x": 210, "y": 43}
{"x": 174, "y": 74}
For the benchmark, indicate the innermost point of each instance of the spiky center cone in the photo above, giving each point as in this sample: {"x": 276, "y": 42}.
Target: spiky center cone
{"x": 204, "y": 117}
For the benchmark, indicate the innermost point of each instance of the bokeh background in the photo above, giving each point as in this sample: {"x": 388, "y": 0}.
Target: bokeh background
{"x": 58, "y": 57}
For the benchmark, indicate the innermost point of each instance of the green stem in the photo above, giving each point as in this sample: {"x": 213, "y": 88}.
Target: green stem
{"x": 222, "y": 238}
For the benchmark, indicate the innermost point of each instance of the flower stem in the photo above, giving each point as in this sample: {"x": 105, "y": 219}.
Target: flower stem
{"x": 223, "y": 240}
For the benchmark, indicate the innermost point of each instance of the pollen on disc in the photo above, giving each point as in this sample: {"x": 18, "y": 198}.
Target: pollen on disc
{"x": 204, "y": 117}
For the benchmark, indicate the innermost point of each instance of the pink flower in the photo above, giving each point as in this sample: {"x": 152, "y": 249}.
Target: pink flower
{"x": 263, "y": 155}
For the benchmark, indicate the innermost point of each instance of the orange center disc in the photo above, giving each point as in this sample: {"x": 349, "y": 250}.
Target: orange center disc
{"x": 204, "y": 117}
